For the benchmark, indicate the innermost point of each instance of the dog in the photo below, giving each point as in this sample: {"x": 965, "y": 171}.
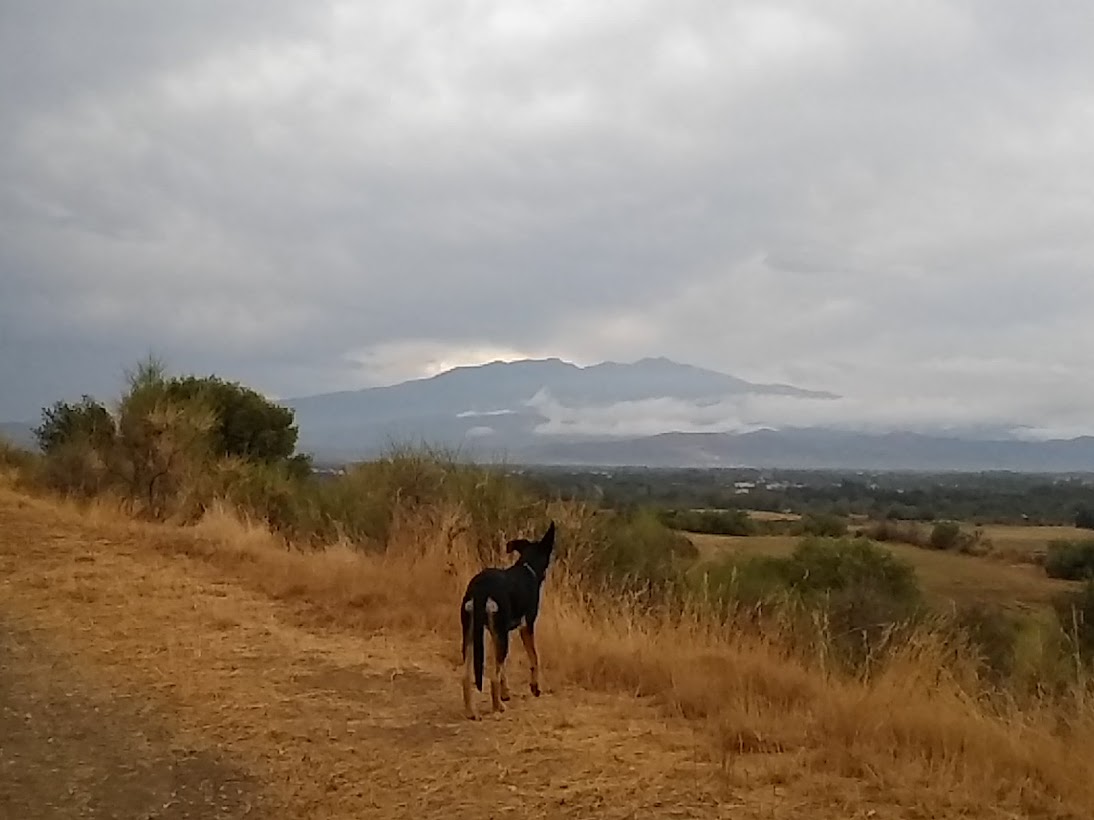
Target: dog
{"x": 499, "y": 601}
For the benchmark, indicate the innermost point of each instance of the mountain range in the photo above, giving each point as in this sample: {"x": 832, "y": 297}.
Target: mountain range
{"x": 653, "y": 412}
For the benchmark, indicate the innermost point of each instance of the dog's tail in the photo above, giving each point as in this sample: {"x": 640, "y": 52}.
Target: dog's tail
{"x": 478, "y": 646}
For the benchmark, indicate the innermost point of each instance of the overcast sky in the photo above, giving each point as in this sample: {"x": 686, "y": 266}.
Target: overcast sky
{"x": 892, "y": 201}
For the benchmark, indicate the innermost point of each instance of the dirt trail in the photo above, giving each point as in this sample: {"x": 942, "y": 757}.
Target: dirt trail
{"x": 138, "y": 682}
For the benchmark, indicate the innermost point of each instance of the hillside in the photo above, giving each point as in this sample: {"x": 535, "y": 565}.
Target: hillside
{"x": 170, "y": 685}
{"x": 208, "y": 672}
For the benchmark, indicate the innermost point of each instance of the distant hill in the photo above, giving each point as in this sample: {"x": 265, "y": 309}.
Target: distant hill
{"x": 499, "y": 406}
{"x": 551, "y": 412}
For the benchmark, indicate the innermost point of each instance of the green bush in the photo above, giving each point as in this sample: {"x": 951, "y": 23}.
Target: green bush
{"x": 170, "y": 446}
{"x": 1070, "y": 560}
{"x": 87, "y": 423}
{"x": 163, "y": 448}
{"x": 272, "y": 493}
{"x": 828, "y": 565}
{"x": 904, "y": 532}
{"x": 864, "y": 593}
{"x": 946, "y": 535}
{"x": 860, "y": 593}
{"x": 749, "y": 581}
{"x": 713, "y": 522}
{"x": 823, "y": 526}
{"x": 629, "y": 550}
{"x": 247, "y": 424}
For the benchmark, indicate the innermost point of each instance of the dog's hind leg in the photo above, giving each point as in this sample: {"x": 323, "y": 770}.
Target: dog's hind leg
{"x": 501, "y": 654}
{"x": 499, "y": 642}
{"x": 528, "y": 638}
{"x": 504, "y": 682}
{"x": 468, "y": 664}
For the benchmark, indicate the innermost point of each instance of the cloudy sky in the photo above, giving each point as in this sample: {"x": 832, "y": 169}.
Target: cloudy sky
{"x": 893, "y": 201}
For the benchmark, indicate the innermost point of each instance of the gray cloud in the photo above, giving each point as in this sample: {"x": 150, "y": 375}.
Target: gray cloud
{"x": 888, "y": 201}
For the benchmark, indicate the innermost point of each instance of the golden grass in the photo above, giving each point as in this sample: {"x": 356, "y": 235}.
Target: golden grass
{"x": 920, "y": 732}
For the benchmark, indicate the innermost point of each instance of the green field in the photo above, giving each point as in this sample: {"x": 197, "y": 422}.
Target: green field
{"x": 1004, "y": 577}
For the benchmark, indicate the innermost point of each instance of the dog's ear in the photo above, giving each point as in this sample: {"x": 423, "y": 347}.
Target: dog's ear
{"x": 516, "y": 546}
{"x": 548, "y": 539}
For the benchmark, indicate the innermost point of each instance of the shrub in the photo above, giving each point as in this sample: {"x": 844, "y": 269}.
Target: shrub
{"x": 163, "y": 448}
{"x": 863, "y": 592}
{"x": 826, "y": 565}
{"x": 907, "y": 512}
{"x": 87, "y": 423}
{"x": 77, "y": 468}
{"x": 714, "y": 522}
{"x": 904, "y": 532}
{"x": 289, "y": 505}
{"x": 629, "y": 550}
{"x": 247, "y": 424}
{"x": 822, "y": 526}
{"x": 1070, "y": 560}
{"x": 750, "y": 581}
{"x": 945, "y": 535}
{"x": 172, "y": 445}
{"x": 858, "y": 592}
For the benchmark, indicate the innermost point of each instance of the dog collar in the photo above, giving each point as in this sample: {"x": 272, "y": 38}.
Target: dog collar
{"x": 529, "y": 568}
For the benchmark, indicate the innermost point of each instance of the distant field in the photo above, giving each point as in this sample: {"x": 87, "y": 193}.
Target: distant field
{"x": 946, "y": 577}
{"x": 1022, "y": 542}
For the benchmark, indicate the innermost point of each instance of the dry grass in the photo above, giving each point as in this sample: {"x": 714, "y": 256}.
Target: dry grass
{"x": 919, "y": 734}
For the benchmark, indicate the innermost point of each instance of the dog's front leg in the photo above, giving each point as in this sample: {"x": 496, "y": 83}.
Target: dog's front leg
{"x": 528, "y": 638}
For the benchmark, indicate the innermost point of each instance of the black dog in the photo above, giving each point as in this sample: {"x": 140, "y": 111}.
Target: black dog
{"x": 501, "y": 600}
